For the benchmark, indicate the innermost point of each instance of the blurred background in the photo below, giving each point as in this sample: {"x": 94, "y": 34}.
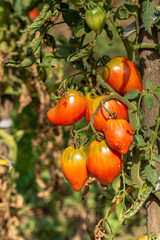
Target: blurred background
{"x": 36, "y": 202}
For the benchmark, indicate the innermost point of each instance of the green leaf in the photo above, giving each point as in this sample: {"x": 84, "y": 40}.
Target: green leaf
{"x": 120, "y": 211}
{"x": 18, "y": 8}
{"x": 156, "y": 158}
{"x": 116, "y": 184}
{"x": 81, "y": 29}
{"x": 49, "y": 39}
{"x": 148, "y": 100}
{"x": 108, "y": 32}
{"x": 131, "y": 8}
{"x": 122, "y": 13}
{"x": 151, "y": 174}
{"x": 138, "y": 139}
{"x": 63, "y": 50}
{"x": 148, "y": 12}
{"x": 84, "y": 52}
{"x": 71, "y": 17}
{"x": 132, "y": 94}
{"x": 157, "y": 90}
{"x": 149, "y": 85}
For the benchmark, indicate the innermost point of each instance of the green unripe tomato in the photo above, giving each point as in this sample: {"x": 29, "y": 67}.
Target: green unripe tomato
{"x": 96, "y": 18}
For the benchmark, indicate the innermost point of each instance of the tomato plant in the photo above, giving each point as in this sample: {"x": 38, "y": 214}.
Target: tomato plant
{"x": 104, "y": 163}
{"x": 114, "y": 106}
{"x": 73, "y": 164}
{"x": 119, "y": 135}
{"x": 84, "y": 66}
{"x": 69, "y": 109}
{"x": 95, "y": 18}
{"x": 122, "y": 75}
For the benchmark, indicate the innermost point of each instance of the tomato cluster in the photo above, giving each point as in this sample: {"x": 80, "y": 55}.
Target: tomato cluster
{"x": 103, "y": 159}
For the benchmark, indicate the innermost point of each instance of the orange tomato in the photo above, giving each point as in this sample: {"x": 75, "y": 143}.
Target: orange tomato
{"x": 122, "y": 75}
{"x": 74, "y": 168}
{"x": 119, "y": 135}
{"x": 104, "y": 163}
{"x": 69, "y": 109}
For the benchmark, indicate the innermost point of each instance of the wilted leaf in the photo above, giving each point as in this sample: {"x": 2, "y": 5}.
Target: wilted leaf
{"x": 120, "y": 211}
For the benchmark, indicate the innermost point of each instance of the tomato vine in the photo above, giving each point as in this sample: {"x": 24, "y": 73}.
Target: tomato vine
{"x": 142, "y": 176}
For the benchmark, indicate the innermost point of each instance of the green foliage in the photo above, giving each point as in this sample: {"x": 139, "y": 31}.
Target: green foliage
{"x": 148, "y": 11}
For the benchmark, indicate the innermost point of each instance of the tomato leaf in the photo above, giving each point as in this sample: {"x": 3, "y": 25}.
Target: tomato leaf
{"x": 120, "y": 211}
{"x": 122, "y": 13}
{"x": 63, "y": 50}
{"x": 157, "y": 90}
{"x": 156, "y": 158}
{"x": 71, "y": 17}
{"x": 148, "y": 12}
{"x": 81, "y": 29}
{"x": 148, "y": 100}
{"x": 108, "y": 32}
{"x": 132, "y": 94}
{"x": 84, "y": 52}
{"x": 130, "y": 8}
{"x": 151, "y": 174}
{"x": 116, "y": 184}
{"x": 138, "y": 139}
{"x": 149, "y": 85}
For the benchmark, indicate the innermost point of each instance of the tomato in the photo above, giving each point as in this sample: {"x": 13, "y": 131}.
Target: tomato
{"x": 96, "y": 18}
{"x": 69, "y": 109}
{"x": 33, "y": 14}
{"x": 74, "y": 168}
{"x": 119, "y": 135}
{"x": 104, "y": 163}
{"x": 102, "y": 115}
{"x": 143, "y": 238}
{"x": 122, "y": 75}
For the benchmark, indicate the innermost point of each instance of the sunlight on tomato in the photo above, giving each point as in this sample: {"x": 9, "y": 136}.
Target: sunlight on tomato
{"x": 104, "y": 163}
{"x": 69, "y": 109}
{"x": 74, "y": 168}
{"x": 122, "y": 75}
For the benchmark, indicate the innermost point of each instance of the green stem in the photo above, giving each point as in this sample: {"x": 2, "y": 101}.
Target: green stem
{"x": 146, "y": 45}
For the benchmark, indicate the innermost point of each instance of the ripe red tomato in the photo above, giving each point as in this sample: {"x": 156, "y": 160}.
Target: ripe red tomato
{"x": 102, "y": 115}
{"x": 119, "y": 135}
{"x": 96, "y": 18}
{"x": 33, "y": 14}
{"x": 104, "y": 163}
{"x": 69, "y": 109}
{"x": 74, "y": 168}
{"x": 122, "y": 75}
